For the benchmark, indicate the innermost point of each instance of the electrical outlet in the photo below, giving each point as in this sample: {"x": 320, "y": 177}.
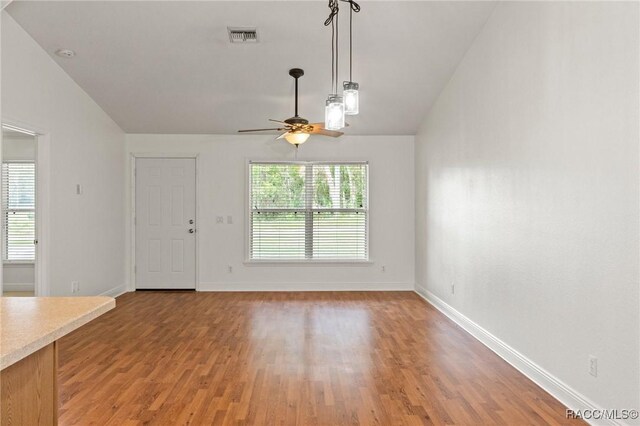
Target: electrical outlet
{"x": 75, "y": 286}
{"x": 383, "y": 268}
{"x": 230, "y": 268}
{"x": 593, "y": 366}
{"x": 219, "y": 219}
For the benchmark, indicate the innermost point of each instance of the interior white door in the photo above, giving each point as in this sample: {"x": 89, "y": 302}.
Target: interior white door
{"x": 165, "y": 223}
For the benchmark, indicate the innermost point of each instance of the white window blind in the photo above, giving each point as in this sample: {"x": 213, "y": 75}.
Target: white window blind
{"x": 18, "y": 211}
{"x": 308, "y": 211}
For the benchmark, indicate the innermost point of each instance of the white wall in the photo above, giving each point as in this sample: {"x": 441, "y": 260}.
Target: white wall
{"x": 527, "y": 191}
{"x": 18, "y": 276}
{"x": 18, "y": 149}
{"x": 3, "y": 4}
{"x": 222, "y": 192}
{"x": 86, "y": 238}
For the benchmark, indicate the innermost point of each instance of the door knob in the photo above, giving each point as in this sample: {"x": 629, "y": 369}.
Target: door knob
{"x": 191, "y": 231}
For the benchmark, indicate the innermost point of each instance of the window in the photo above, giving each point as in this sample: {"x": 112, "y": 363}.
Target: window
{"x": 308, "y": 211}
{"x": 18, "y": 214}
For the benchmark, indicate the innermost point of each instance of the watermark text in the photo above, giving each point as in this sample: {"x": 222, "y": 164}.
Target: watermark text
{"x": 605, "y": 414}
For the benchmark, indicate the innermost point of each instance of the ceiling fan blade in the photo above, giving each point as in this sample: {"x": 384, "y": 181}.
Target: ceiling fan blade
{"x": 278, "y": 121}
{"x": 260, "y": 130}
{"x": 325, "y": 132}
{"x": 282, "y": 135}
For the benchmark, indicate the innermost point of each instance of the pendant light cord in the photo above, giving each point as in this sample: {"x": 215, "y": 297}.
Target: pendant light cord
{"x": 351, "y": 43}
{"x": 333, "y": 21}
{"x": 337, "y": 52}
{"x": 353, "y": 7}
{"x": 333, "y": 57}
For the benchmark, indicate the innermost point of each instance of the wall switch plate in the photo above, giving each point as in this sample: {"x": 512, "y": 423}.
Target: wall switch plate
{"x": 229, "y": 220}
{"x": 383, "y": 268}
{"x": 230, "y": 268}
{"x": 593, "y": 366}
{"x": 78, "y": 189}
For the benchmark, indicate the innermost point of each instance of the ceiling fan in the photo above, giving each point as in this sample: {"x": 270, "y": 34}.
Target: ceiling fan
{"x": 297, "y": 129}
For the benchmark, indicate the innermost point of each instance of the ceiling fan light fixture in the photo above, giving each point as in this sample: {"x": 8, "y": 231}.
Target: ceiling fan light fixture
{"x": 350, "y": 95}
{"x": 334, "y": 113}
{"x": 296, "y": 138}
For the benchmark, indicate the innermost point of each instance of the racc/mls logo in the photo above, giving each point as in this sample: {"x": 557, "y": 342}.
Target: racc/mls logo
{"x": 602, "y": 414}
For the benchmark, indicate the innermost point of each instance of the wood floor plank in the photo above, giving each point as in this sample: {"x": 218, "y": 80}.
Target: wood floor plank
{"x": 329, "y": 358}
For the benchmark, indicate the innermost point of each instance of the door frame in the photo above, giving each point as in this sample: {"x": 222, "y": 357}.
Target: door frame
{"x": 132, "y": 217}
{"x": 43, "y": 143}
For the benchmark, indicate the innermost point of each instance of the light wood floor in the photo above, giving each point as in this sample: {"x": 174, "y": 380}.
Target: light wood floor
{"x": 383, "y": 358}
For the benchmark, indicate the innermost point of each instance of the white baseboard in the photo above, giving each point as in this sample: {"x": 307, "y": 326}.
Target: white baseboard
{"x": 18, "y": 287}
{"x": 115, "y": 292}
{"x": 559, "y": 390}
{"x": 297, "y": 286}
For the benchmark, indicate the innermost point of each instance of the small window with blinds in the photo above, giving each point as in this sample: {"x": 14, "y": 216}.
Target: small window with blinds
{"x": 308, "y": 211}
{"x": 18, "y": 214}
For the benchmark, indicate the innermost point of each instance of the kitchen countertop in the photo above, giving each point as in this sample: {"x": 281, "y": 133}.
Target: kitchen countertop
{"x": 27, "y": 324}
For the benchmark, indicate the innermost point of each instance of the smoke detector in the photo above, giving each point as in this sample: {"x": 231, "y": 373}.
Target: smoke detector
{"x": 65, "y": 53}
{"x": 242, "y": 35}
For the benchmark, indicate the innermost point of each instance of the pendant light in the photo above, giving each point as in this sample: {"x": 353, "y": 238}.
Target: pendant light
{"x": 334, "y": 106}
{"x": 350, "y": 88}
{"x": 334, "y": 113}
{"x": 350, "y": 95}
{"x": 337, "y": 106}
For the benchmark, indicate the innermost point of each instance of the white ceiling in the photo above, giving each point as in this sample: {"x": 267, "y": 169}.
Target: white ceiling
{"x": 168, "y": 67}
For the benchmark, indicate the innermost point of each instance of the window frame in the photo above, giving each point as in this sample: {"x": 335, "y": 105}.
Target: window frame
{"x": 307, "y": 261}
{"x": 4, "y": 211}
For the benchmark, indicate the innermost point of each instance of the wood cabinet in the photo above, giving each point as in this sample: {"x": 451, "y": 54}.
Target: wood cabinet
{"x": 28, "y": 390}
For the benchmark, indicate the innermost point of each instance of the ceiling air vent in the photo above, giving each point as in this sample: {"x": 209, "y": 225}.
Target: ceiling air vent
{"x": 242, "y": 35}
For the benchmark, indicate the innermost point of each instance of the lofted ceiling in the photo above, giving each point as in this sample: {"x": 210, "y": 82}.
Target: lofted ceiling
{"x": 168, "y": 66}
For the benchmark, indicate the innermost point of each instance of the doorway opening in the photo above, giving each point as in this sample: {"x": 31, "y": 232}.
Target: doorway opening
{"x": 19, "y": 238}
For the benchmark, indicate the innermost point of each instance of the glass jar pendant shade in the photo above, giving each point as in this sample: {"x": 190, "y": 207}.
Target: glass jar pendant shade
{"x": 350, "y": 95}
{"x": 296, "y": 138}
{"x": 334, "y": 113}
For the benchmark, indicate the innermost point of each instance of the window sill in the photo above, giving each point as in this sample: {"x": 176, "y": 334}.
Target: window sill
{"x": 308, "y": 262}
{"x": 17, "y": 263}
